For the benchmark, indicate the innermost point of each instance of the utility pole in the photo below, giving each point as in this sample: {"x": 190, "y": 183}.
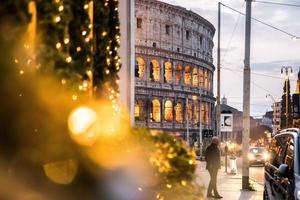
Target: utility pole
{"x": 246, "y": 98}
{"x": 218, "y": 110}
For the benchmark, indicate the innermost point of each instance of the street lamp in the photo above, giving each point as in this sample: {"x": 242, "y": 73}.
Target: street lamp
{"x": 287, "y": 71}
{"x": 274, "y": 112}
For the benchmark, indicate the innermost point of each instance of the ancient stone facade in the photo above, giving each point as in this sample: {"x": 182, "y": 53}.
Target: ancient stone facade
{"x": 174, "y": 70}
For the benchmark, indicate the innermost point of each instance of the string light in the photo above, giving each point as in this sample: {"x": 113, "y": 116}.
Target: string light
{"x": 57, "y": 19}
{"x": 78, "y": 49}
{"x": 21, "y": 72}
{"x": 86, "y": 6}
{"x": 69, "y": 59}
{"x": 61, "y": 8}
{"x": 66, "y": 40}
{"x": 84, "y": 33}
{"x": 63, "y": 81}
{"x": 74, "y": 97}
{"x": 58, "y": 45}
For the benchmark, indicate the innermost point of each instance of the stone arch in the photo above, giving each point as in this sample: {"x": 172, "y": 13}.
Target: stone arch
{"x": 187, "y": 75}
{"x": 169, "y": 111}
{"x": 195, "y": 76}
{"x": 155, "y": 110}
{"x": 179, "y": 112}
{"x": 168, "y": 72}
{"x": 178, "y": 74}
{"x": 189, "y": 108}
{"x": 206, "y": 79}
{"x": 154, "y": 70}
{"x": 140, "y": 68}
{"x": 140, "y": 110}
{"x": 201, "y": 77}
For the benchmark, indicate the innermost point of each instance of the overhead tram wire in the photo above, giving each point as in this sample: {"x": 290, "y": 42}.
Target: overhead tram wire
{"x": 232, "y": 34}
{"x": 257, "y": 74}
{"x": 264, "y": 23}
{"x": 279, "y": 4}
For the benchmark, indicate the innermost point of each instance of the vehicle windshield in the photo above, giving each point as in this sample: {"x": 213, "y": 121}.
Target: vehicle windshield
{"x": 256, "y": 150}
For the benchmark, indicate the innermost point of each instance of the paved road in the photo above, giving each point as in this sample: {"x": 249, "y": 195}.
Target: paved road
{"x": 256, "y": 172}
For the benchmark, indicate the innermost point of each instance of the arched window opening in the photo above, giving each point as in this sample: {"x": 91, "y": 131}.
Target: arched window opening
{"x": 207, "y": 114}
{"x": 178, "y": 112}
{"x": 178, "y": 74}
{"x": 206, "y": 79}
{"x": 136, "y": 111}
{"x": 196, "y": 112}
{"x": 168, "y": 72}
{"x": 189, "y": 111}
{"x": 195, "y": 77}
{"x": 168, "y": 111}
{"x": 154, "y": 71}
{"x": 187, "y": 75}
{"x": 155, "y": 111}
{"x": 140, "y": 69}
{"x": 201, "y": 78}
{"x": 202, "y": 113}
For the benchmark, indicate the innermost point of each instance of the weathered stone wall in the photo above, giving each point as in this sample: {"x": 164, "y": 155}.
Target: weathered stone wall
{"x": 173, "y": 67}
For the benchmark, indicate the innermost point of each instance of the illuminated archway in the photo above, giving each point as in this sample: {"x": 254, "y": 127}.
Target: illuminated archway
{"x": 201, "y": 78}
{"x": 155, "y": 110}
{"x": 140, "y": 68}
{"x": 136, "y": 111}
{"x": 154, "y": 70}
{"x": 187, "y": 75}
{"x": 179, "y": 112}
{"x": 178, "y": 74}
{"x": 202, "y": 117}
{"x": 196, "y": 112}
{"x": 195, "y": 76}
{"x": 168, "y": 111}
{"x": 168, "y": 72}
{"x": 206, "y": 79}
{"x": 189, "y": 111}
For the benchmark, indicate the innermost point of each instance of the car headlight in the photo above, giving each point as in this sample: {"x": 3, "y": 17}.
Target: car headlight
{"x": 251, "y": 156}
{"x": 266, "y": 156}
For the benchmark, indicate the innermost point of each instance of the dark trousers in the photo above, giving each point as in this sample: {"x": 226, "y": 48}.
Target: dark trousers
{"x": 213, "y": 182}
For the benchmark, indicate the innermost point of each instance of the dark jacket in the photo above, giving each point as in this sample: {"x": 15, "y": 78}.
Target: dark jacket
{"x": 213, "y": 157}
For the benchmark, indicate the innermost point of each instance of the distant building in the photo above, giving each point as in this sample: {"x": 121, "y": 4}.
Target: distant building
{"x": 276, "y": 119}
{"x": 267, "y": 119}
{"x": 237, "y": 131}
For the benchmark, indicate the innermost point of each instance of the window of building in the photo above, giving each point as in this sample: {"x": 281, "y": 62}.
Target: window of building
{"x": 202, "y": 117}
{"x": 168, "y": 72}
{"x": 189, "y": 111}
{"x": 201, "y": 78}
{"x": 155, "y": 111}
{"x": 168, "y": 29}
{"x": 139, "y": 22}
{"x": 206, "y": 79}
{"x": 154, "y": 44}
{"x": 201, "y": 40}
{"x": 168, "y": 111}
{"x": 195, "y": 76}
{"x": 179, "y": 112}
{"x": 187, "y": 35}
{"x": 196, "y": 112}
{"x": 178, "y": 49}
{"x": 154, "y": 71}
{"x": 178, "y": 74}
{"x": 136, "y": 111}
{"x": 140, "y": 68}
{"x": 207, "y": 114}
{"x": 187, "y": 75}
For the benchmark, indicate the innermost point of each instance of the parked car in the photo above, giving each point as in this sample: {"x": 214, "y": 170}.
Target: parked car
{"x": 258, "y": 155}
{"x": 282, "y": 173}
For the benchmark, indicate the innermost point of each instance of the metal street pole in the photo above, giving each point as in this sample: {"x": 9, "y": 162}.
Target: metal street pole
{"x": 200, "y": 128}
{"x": 187, "y": 122}
{"x": 246, "y": 98}
{"x": 218, "y": 110}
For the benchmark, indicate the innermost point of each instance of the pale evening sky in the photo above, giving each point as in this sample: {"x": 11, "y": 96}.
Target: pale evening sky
{"x": 270, "y": 49}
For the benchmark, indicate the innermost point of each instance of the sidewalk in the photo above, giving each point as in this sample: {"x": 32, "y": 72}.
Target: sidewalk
{"x": 229, "y": 186}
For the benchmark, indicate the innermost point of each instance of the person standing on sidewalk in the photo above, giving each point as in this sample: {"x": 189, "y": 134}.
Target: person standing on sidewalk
{"x": 213, "y": 164}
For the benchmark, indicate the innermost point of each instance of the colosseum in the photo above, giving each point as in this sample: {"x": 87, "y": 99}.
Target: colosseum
{"x": 174, "y": 70}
